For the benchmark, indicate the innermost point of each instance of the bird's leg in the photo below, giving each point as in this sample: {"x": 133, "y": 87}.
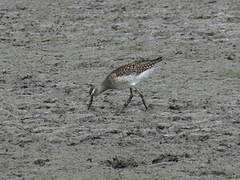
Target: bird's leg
{"x": 129, "y": 99}
{"x": 143, "y": 100}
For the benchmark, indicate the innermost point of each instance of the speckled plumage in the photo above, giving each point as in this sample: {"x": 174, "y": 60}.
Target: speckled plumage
{"x": 120, "y": 77}
{"x": 136, "y": 67}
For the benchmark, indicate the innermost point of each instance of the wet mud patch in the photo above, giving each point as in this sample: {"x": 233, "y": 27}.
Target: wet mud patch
{"x": 52, "y": 51}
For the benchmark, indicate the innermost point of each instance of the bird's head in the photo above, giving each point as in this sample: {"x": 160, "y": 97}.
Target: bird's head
{"x": 95, "y": 91}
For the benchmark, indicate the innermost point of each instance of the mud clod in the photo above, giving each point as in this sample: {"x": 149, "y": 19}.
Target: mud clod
{"x": 41, "y": 162}
{"x": 119, "y": 162}
{"x": 165, "y": 158}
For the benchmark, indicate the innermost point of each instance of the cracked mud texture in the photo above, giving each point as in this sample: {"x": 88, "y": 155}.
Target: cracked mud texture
{"x": 50, "y": 51}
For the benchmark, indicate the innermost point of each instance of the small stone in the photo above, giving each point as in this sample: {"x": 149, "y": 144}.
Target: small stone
{"x": 20, "y": 6}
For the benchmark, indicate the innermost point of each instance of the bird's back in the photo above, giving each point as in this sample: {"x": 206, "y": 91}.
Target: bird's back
{"x": 136, "y": 67}
{"x": 120, "y": 76}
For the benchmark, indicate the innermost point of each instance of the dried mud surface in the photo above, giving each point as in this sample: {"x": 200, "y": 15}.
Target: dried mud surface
{"x": 50, "y": 51}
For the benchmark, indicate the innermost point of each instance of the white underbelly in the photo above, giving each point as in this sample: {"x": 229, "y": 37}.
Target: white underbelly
{"x": 132, "y": 80}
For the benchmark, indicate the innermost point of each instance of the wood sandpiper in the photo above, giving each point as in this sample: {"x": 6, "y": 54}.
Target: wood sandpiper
{"x": 126, "y": 76}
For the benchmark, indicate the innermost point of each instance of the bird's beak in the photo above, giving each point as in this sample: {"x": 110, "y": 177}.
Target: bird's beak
{"x": 91, "y": 93}
{"x": 90, "y": 102}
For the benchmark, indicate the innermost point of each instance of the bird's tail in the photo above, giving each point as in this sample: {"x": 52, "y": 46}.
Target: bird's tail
{"x": 157, "y": 59}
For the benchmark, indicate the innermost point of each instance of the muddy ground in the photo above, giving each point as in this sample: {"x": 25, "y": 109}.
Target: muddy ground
{"x": 50, "y": 51}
